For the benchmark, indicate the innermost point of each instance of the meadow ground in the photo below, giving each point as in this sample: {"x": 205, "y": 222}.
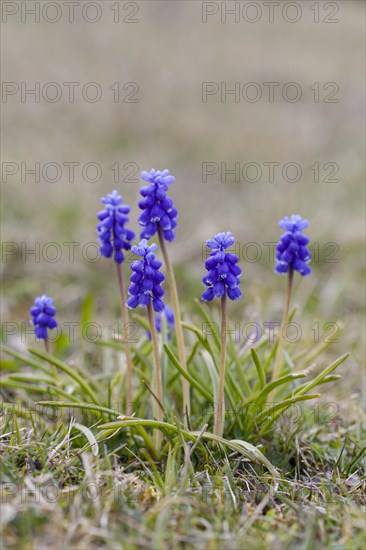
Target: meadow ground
{"x": 61, "y": 487}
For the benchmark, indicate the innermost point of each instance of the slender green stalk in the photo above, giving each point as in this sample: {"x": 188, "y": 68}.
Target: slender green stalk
{"x": 278, "y": 359}
{"x": 52, "y": 367}
{"x": 124, "y": 311}
{"x": 157, "y": 378}
{"x": 219, "y": 421}
{"x": 178, "y": 322}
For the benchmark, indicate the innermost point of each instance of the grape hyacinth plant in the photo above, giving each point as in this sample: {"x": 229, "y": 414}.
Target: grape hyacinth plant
{"x": 43, "y": 317}
{"x": 160, "y": 216}
{"x": 114, "y": 237}
{"x": 220, "y": 372}
{"x": 146, "y": 291}
{"x": 222, "y": 280}
{"x": 292, "y": 255}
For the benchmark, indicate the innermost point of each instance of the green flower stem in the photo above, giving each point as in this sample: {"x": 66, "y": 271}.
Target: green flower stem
{"x": 157, "y": 378}
{"x": 219, "y": 423}
{"x": 52, "y": 367}
{"x": 178, "y": 322}
{"x": 126, "y": 342}
{"x": 278, "y": 360}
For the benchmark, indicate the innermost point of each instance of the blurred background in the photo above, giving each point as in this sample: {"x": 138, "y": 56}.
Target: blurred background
{"x": 149, "y": 62}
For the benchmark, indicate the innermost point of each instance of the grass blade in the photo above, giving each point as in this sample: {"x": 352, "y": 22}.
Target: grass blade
{"x": 259, "y": 367}
{"x": 68, "y": 370}
{"x": 90, "y": 437}
{"x": 186, "y": 374}
{"x": 79, "y": 405}
{"x": 318, "y": 380}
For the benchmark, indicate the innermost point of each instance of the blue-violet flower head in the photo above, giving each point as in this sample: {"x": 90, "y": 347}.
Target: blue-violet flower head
{"x": 43, "y": 313}
{"x": 223, "y": 272}
{"x": 292, "y": 252}
{"x": 158, "y": 209}
{"x": 113, "y": 236}
{"x": 146, "y": 278}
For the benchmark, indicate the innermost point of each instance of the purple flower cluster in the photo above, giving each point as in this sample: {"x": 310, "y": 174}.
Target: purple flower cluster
{"x": 146, "y": 278}
{"x": 292, "y": 252}
{"x": 158, "y": 212}
{"x": 223, "y": 272}
{"x": 43, "y": 313}
{"x": 158, "y": 209}
{"x": 112, "y": 233}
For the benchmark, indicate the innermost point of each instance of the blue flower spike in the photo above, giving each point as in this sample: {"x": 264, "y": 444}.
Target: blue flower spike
{"x": 43, "y": 313}
{"x": 146, "y": 279}
{"x": 292, "y": 253}
{"x": 158, "y": 209}
{"x": 222, "y": 281}
{"x": 159, "y": 216}
{"x": 223, "y": 271}
{"x": 113, "y": 236}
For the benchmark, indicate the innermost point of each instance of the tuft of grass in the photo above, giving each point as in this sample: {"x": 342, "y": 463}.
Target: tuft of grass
{"x": 77, "y": 471}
